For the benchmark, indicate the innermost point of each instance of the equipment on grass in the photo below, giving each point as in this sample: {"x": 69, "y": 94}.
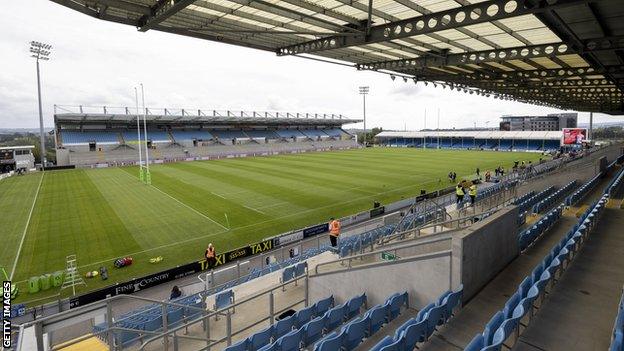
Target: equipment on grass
{"x": 123, "y": 262}
{"x": 72, "y": 276}
{"x": 103, "y": 273}
{"x": 33, "y": 285}
{"x": 92, "y": 274}
{"x": 45, "y": 282}
{"x": 57, "y": 279}
{"x": 155, "y": 259}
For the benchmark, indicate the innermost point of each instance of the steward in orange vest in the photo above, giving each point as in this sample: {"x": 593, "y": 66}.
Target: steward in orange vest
{"x": 334, "y": 231}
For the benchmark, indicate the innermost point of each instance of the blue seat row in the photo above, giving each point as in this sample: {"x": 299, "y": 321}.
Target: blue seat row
{"x": 527, "y": 237}
{"x": 280, "y": 336}
{"x": 525, "y": 205}
{"x": 494, "y": 189}
{"x": 507, "y": 321}
{"x": 354, "y": 332}
{"x": 524, "y": 197}
{"x": 582, "y": 191}
{"x": 294, "y": 271}
{"x": 420, "y": 328}
{"x": 551, "y": 199}
{"x": 615, "y": 183}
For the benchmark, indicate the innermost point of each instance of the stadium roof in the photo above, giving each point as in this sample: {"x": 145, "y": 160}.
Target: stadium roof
{"x": 102, "y": 114}
{"x": 562, "y": 53}
{"x": 519, "y": 135}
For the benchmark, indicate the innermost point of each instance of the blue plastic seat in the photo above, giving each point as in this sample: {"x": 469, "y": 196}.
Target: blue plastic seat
{"x": 354, "y": 305}
{"x": 288, "y": 274}
{"x": 395, "y": 303}
{"x": 355, "y": 332}
{"x": 313, "y": 330}
{"x": 331, "y": 342}
{"x": 283, "y": 327}
{"x": 290, "y": 341}
{"x": 303, "y": 316}
{"x": 239, "y": 346}
{"x": 260, "y": 339}
{"x": 377, "y": 317}
{"x": 422, "y": 313}
{"x": 513, "y": 301}
{"x": 335, "y": 316}
{"x": 452, "y": 301}
{"x": 491, "y": 327}
{"x": 476, "y": 344}
{"x": 324, "y": 305}
{"x": 224, "y": 299}
{"x": 270, "y": 347}
{"x": 435, "y": 317}
{"x": 413, "y": 334}
{"x": 525, "y": 286}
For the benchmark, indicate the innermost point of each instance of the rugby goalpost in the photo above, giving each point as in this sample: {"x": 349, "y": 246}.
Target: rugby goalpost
{"x": 144, "y": 172}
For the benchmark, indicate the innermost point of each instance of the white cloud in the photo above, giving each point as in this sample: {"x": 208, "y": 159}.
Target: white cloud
{"x": 98, "y": 63}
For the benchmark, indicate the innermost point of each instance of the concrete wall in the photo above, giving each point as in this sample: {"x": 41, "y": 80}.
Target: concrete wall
{"x": 423, "y": 277}
{"x": 483, "y": 250}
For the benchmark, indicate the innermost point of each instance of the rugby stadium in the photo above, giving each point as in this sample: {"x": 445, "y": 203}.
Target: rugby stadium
{"x": 189, "y": 229}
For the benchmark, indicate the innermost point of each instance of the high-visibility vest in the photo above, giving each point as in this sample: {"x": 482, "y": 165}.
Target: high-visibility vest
{"x": 473, "y": 190}
{"x": 334, "y": 228}
{"x": 210, "y": 252}
{"x": 459, "y": 190}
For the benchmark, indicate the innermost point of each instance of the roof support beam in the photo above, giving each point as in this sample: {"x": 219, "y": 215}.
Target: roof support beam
{"x": 502, "y": 55}
{"x": 454, "y": 18}
{"x": 161, "y": 11}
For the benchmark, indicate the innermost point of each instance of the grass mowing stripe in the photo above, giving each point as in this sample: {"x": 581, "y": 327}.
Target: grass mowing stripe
{"x": 16, "y": 196}
{"x": 19, "y": 249}
{"x": 192, "y": 209}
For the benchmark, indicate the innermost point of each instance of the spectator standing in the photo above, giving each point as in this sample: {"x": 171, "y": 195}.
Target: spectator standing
{"x": 175, "y": 293}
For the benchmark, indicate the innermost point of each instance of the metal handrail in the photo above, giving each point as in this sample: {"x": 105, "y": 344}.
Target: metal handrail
{"x": 376, "y": 252}
{"x": 226, "y": 310}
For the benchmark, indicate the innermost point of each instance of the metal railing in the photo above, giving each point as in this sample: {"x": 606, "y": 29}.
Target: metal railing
{"x": 189, "y": 113}
{"x": 227, "y": 312}
{"x": 347, "y": 263}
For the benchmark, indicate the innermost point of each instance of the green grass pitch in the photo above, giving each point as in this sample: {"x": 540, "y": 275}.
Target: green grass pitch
{"x": 103, "y": 214}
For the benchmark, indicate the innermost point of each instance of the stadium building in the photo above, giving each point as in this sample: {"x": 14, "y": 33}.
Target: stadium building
{"x": 551, "y": 122}
{"x": 480, "y": 140}
{"x": 111, "y": 136}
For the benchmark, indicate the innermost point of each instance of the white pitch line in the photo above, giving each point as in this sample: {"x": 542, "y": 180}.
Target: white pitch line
{"x": 253, "y": 209}
{"x": 221, "y": 196}
{"x": 192, "y": 209}
{"x": 19, "y": 249}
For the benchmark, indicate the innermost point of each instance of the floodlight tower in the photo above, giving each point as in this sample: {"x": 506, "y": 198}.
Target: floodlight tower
{"x": 364, "y": 91}
{"x": 40, "y": 51}
{"x": 148, "y": 176}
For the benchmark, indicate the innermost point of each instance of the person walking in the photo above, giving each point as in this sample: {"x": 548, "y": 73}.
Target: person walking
{"x": 478, "y": 172}
{"x": 459, "y": 193}
{"x": 472, "y": 191}
{"x": 211, "y": 256}
{"x": 334, "y": 231}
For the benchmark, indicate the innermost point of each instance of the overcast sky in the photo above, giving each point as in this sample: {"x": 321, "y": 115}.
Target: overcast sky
{"x": 98, "y": 63}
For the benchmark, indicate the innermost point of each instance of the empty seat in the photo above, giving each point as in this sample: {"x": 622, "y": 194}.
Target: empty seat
{"x": 283, "y": 326}
{"x": 335, "y": 316}
{"x": 313, "y": 330}
{"x": 354, "y": 305}
{"x": 290, "y": 341}
{"x": 331, "y": 342}
{"x": 260, "y": 339}
{"x": 303, "y": 316}
{"x": 377, "y": 316}
{"x": 324, "y": 305}
{"x": 355, "y": 332}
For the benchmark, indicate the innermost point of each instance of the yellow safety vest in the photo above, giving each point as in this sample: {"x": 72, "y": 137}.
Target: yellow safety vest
{"x": 473, "y": 190}
{"x": 459, "y": 190}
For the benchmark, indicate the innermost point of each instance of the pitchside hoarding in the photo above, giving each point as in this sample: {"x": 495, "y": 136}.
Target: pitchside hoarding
{"x": 573, "y": 136}
{"x": 142, "y": 283}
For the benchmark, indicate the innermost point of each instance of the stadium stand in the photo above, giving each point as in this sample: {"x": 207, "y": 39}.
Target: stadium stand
{"x": 91, "y": 139}
{"x": 486, "y": 140}
{"x": 550, "y": 200}
{"x": 71, "y": 137}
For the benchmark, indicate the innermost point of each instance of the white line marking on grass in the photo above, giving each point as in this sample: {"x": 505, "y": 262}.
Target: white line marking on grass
{"x": 19, "y": 249}
{"x": 253, "y": 209}
{"x": 215, "y": 194}
{"x": 190, "y": 208}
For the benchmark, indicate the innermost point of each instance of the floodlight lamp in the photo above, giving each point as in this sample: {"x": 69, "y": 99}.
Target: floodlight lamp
{"x": 415, "y": 79}
{"x": 405, "y": 79}
{"x": 392, "y": 76}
